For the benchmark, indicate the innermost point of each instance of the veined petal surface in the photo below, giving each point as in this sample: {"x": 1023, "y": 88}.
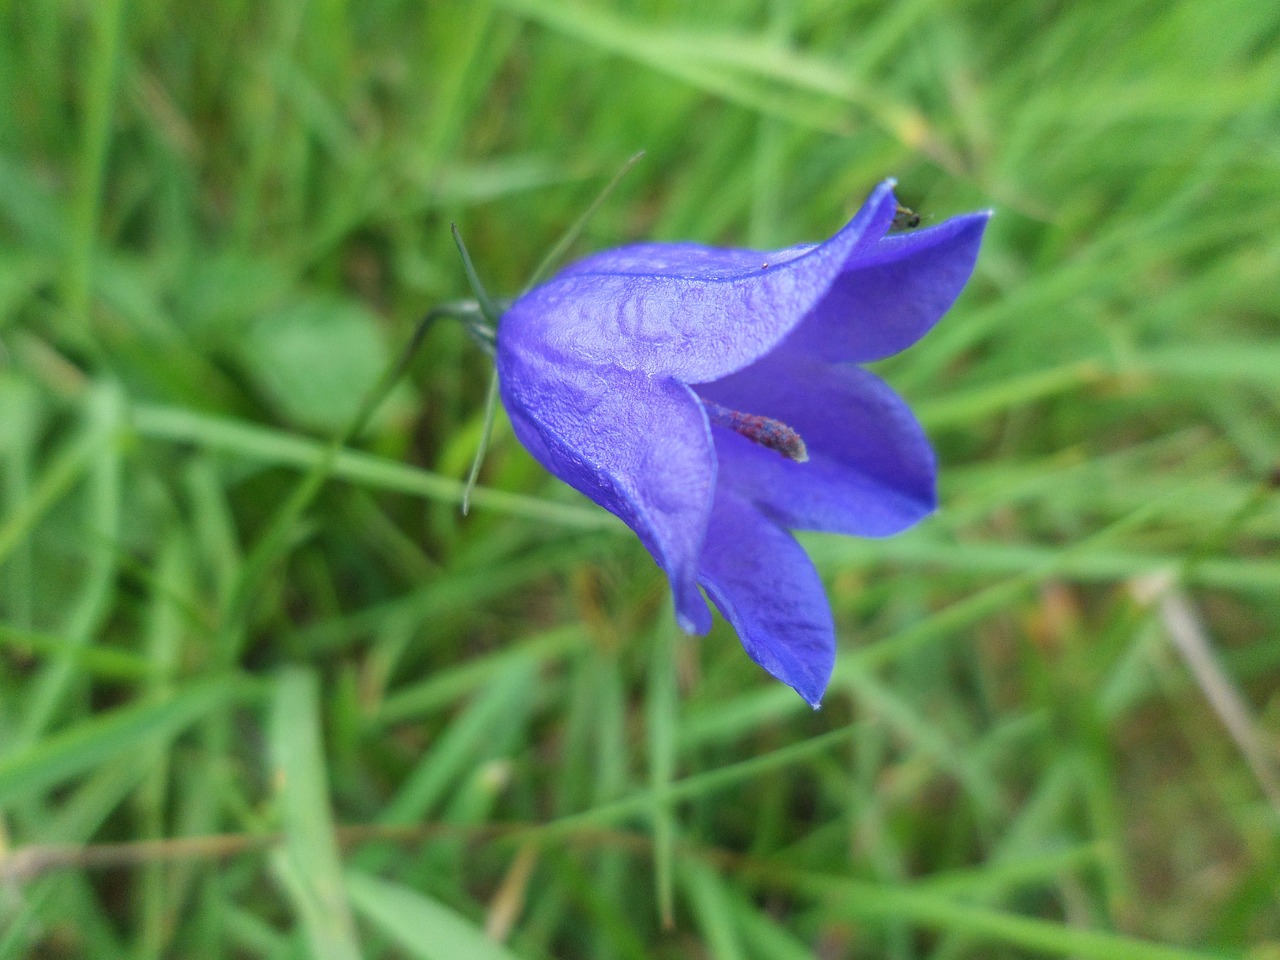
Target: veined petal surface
{"x": 639, "y": 446}
{"x": 684, "y": 311}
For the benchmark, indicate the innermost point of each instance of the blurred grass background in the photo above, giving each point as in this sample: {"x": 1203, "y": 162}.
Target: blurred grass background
{"x": 263, "y": 698}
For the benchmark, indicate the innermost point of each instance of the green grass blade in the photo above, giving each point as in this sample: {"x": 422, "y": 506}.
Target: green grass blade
{"x": 266, "y": 446}
{"x": 570, "y": 236}
{"x": 660, "y": 729}
{"x": 308, "y": 863}
{"x": 934, "y": 912}
{"x": 121, "y": 732}
{"x": 422, "y": 927}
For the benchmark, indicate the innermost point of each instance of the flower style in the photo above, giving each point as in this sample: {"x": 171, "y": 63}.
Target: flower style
{"x": 710, "y": 398}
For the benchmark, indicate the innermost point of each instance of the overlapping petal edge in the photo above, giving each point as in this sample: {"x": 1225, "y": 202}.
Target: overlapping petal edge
{"x": 609, "y": 369}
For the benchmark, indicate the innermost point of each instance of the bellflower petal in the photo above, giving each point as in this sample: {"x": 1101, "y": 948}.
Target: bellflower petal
{"x": 638, "y": 446}
{"x": 692, "y": 313}
{"x": 889, "y": 298}
{"x": 707, "y": 397}
{"x": 763, "y": 582}
{"x": 870, "y": 472}
{"x": 697, "y": 262}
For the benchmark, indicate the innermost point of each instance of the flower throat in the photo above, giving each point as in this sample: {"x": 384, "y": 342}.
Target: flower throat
{"x": 766, "y": 431}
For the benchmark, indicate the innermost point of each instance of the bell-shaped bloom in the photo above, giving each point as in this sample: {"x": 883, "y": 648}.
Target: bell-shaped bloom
{"x": 711, "y": 398}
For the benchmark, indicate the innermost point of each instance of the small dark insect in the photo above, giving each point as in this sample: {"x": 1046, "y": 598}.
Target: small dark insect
{"x": 904, "y": 218}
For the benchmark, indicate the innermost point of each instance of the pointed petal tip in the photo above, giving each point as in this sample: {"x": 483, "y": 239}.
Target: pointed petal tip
{"x": 767, "y": 588}
{"x": 692, "y": 615}
{"x": 687, "y": 624}
{"x": 978, "y": 219}
{"x": 809, "y": 681}
{"x": 970, "y": 228}
{"x": 882, "y": 189}
{"x": 810, "y": 689}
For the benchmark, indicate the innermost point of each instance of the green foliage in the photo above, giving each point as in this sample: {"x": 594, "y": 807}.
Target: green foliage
{"x": 263, "y": 694}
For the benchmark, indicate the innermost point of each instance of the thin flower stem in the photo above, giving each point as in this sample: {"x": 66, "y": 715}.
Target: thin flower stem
{"x": 571, "y": 235}
{"x": 490, "y": 410}
{"x": 482, "y": 335}
{"x": 487, "y": 305}
{"x": 272, "y": 545}
{"x": 374, "y": 399}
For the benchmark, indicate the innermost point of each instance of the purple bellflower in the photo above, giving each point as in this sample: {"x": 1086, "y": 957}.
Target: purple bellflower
{"x": 710, "y": 398}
